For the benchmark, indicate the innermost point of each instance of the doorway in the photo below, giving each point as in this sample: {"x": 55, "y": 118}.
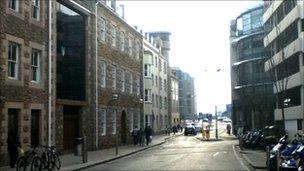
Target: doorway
{"x": 70, "y": 126}
{"x": 35, "y": 125}
{"x": 123, "y": 128}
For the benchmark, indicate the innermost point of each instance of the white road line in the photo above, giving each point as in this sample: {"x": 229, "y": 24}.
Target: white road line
{"x": 215, "y": 154}
{"x": 238, "y": 158}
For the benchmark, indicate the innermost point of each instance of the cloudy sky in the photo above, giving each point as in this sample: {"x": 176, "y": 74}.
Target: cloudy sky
{"x": 199, "y": 40}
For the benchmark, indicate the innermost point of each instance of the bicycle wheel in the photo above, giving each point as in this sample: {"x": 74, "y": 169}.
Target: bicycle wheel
{"x": 36, "y": 164}
{"x": 21, "y": 164}
{"x": 56, "y": 161}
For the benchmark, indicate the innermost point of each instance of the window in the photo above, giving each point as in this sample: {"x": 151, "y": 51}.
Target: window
{"x": 130, "y": 46}
{"x": 123, "y": 81}
{"x": 137, "y": 83}
{"x": 165, "y": 85}
{"x": 160, "y": 102}
{"x": 114, "y": 41}
{"x": 147, "y": 95}
{"x": 299, "y": 121}
{"x": 13, "y": 56}
{"x": 102, "y": 29}
{"x": 14, "y": 5}
{"x": 155, "y": 62}
{"x": 103, "y": 71}
{"x": 153, "y": 100}
{"x": 137, "y": 50}
{"x": 160, "y": 65}
{"x": 103, "y": 121}
{"x": 35, "y": 66}
{"x": 152, "y": 60}
{"x": 156, "y": 100}
{"x": 114, "y": 122}
{"x": 165, "y": 103}
{"x": 122, "y": 39}
{"x": 160, "y": 83}
{"x": 156, "y": 82}
{"x": 113, "y": 77}
{"x": 131, "y": 83}
{"x": 147, "y": 72}
{"x": 152, "y": 76}
{"x": 165, "y": 67}
{"x": 131, "y": 121}
{"x": 36, "y": 9}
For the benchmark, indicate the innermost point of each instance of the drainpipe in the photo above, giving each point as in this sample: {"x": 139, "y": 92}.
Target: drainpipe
{"x": 96, "y": 78}
{"x": 50, "y": 75}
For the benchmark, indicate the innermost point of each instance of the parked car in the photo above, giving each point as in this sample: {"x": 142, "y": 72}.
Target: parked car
{"x": 190, "y": 129}
{"x": 198, "y": 127}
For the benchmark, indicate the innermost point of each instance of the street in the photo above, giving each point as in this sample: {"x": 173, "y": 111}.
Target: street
{"x": 183, "y": 153}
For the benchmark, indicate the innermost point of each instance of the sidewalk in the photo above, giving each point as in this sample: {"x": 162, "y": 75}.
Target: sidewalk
{"x": 71, "y": 162}
{"x": 255, "y": 158}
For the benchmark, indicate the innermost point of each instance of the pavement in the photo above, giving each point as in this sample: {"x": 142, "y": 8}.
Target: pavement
{"x": 71, "y": 162}
{"x": 255, "y": 158}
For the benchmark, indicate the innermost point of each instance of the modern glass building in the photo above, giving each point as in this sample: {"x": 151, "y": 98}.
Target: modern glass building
{"x": 252, "y": 93}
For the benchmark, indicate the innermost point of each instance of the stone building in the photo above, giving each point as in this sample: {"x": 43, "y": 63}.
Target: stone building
{"x": 76, "y": 75}
{"x": 23, "y": 76}
{"x": 186, "y": 94}
{"x": 251, "y": 87}
{"x": 284, "y": 26}
{"x": 155, "y": 69}
{"x": 119, "y": 73}
{"x": 175, "y": 115}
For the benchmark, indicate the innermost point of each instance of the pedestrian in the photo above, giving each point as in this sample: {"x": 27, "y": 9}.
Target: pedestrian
{"x": 12, "y": 147}
{"x": 141, "y": 136}
{"x": 228, "y": 129}
{"x": 148, "y": 132}
{"x": 174, "y": 129}
{"x": 135, "y": 135}
{"x": 178, "y": 127}
{"x": 168, "y": 130}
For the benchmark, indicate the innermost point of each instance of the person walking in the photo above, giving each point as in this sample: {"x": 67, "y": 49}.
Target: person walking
{"x": 228, "y": 129}
{"x": 135, "y": 134}
{"x": 148, "y": 132}
{"x": 141, "y": 137}
{"x": 174, "y": 129}
{"x": 12, "y": 147}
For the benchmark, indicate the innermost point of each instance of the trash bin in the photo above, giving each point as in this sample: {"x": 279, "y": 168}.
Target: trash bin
{"x": 78, "y": 143}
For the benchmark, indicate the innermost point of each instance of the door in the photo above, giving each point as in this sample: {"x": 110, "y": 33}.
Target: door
{"x": 35, "y": 125}
{"x": 70, "y": 126}
{"x": 123, "y": 128}
{"x": 13, "y": 122}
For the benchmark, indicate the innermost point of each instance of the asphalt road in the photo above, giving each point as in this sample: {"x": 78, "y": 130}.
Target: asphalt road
{"x": 182, "y": 153}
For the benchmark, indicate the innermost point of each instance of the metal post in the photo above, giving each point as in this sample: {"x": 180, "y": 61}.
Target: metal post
{"x": 267, "y": 157}
{"x": 84, "y": 150}
{"x": 278, "y": 160}
{"x": 116, "y": 143}
{"x": 216, "y": 131}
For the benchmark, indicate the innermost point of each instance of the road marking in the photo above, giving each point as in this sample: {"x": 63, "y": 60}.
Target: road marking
{"x": 215, "y": 154}
{"x": 239, "y": 159}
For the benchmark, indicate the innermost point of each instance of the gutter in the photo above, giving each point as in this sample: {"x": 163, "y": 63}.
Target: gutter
{"x": 96, "y": 79}
{"x": 50, "y": 75}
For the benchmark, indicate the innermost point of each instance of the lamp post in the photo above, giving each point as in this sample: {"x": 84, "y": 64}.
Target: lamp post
{"x": 115, "y": 98}
{"x": 216, "y": 125}
{"x": 141, "y": 119}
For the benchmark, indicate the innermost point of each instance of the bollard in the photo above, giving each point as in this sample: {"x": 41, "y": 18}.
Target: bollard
{"x": 268, "y": 157}
{"x": 84, "y": 150}
{"x": 278, "y": 159}
{"x": 241, "y": 142}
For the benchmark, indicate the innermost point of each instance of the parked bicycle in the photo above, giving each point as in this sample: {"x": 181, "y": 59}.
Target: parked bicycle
{"x": 50, "y": 158}
{"x": 29, "y": 158}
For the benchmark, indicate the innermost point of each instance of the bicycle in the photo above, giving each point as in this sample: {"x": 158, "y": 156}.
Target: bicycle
{"x": 50, "y": 158}
{"x": 29, "y": 158}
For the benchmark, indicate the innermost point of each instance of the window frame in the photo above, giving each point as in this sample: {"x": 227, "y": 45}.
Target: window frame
{"x": 17, "y": 5}
{"x": 38, "y": 67}
{"x": 16, "y": 62}
{"x": 103, "y": 122}
{"x": 114, "y": 77}
{"x": 103, "y": 73}
{"x": 114, "y": 122}
{"x": 103, "y": 29}
{"x": 36, "y": 7}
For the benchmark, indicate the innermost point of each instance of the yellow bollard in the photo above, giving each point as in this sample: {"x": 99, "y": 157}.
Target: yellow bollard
{"x": 203, "y": 134}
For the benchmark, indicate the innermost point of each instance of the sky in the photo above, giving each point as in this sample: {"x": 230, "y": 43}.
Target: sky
{"x": 199, "y": 41}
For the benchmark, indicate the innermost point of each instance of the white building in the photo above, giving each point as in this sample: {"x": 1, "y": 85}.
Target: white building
{"x": 283, "y": 21}
{"x": 155, "y": 67}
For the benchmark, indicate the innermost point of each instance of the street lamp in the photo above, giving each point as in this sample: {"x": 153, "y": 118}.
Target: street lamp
{"x": 114, "y": 97}
{"x": 216, "y": 125}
